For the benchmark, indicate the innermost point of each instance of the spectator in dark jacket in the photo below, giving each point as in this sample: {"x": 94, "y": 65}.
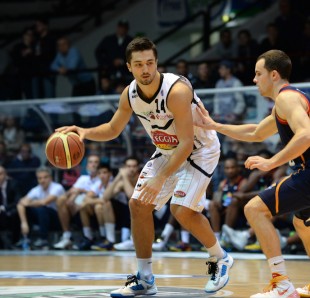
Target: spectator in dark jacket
{"x": 110, "y": 52}
{"x": 23, "y": 168}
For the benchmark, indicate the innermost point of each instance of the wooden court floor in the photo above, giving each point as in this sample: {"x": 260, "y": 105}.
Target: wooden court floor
{"x": 177, "y": 272}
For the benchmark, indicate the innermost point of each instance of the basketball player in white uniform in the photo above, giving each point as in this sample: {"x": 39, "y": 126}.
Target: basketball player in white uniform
{"x": 181, "y": 166}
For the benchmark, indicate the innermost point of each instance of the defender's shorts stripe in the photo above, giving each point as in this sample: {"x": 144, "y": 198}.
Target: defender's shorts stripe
{"x": 277, "y": 192}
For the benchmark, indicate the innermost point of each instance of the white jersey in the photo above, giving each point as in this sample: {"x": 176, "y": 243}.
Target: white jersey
{"x": 158, "y": 120}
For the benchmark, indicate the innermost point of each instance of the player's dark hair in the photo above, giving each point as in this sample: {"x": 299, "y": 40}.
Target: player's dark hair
{"x": 279, "y": 61}
{"x": 140, "y": 44}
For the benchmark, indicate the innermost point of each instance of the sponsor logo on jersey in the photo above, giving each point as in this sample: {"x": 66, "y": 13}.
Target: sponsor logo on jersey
{"x": 179, "y": 194}
{"x": 164, "y": 141}
{"x": 149, "y": 114}
{"x": 163, "y": 117}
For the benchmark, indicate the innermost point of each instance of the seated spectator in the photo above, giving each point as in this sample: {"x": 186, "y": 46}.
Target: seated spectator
{"x": 5, "y": 158}
{"x": 13, "y": 135}
{"x": 110, "y": 52}
{"x": 39, "y": 206}
{"x": 272, "y": 40}
{"x": 223, "y": 208}
{"x": 225, "y": 48}
{"x": 105, "y": 85}
{"x": 228, "y": 106}
{"x": 23, "y": 168}
{"x": 182, "y": 69}
{"x": 115, "y": 208}
{"x": 69, "y": 204}
{"x": 70, "y": 63}
{"x": 23, "y": 54}
{"x": 9, "y": 220}
{"x": 203, "y": 79}
{"x": 89, "y": 211}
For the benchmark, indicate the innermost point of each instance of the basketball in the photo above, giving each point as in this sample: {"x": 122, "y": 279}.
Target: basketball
{"x": 64, "y": 151}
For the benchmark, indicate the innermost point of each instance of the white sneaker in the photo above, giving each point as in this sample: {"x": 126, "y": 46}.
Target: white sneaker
{"x": 218, "y": 269}
{"x": 125, "y": 245}
{"x": 238, "y": 239}
{"x": 159, "y": 245}
{"x": 64, "y": 243}
{"x": 136, "y": 286}
{"x": 304, "y": 292}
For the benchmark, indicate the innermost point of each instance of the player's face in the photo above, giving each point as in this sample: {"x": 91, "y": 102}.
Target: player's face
{"x": 143, "y": 66}
{"x": 263, "y": 79}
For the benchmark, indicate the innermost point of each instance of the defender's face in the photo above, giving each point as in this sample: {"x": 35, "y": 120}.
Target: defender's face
{"x": 143, "y": 66}
{"x": 262, "y": 78}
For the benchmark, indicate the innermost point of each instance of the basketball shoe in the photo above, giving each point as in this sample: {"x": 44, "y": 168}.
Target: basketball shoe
{"x": 304, "y": 292}
{"x": 279, "y": 287}
{"x": 136, "y": 286}
{"x": 218, "y": 269}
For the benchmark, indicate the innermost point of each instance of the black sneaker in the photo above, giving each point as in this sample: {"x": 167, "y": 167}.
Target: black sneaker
{"x": 84, "y": 244}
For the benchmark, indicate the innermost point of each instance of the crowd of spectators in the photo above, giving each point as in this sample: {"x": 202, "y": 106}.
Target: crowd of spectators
{"x": 34, "y": 63}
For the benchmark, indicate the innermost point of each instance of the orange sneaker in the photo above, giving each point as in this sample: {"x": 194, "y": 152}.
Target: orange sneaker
{"x": 304, "y": 292}
{"x": 278, "y": 289}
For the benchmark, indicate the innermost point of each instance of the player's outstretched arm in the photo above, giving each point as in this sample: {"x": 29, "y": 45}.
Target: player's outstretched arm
{"x": 244, "y": 132}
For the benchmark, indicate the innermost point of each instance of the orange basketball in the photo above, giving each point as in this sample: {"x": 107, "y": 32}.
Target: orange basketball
{"x": 64, "y": 151}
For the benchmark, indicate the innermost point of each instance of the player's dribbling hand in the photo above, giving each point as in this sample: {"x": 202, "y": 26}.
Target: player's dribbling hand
{"x": 73, "y": 128}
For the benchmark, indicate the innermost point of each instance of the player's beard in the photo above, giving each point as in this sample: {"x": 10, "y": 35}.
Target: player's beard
{"x": 148, "y": 80}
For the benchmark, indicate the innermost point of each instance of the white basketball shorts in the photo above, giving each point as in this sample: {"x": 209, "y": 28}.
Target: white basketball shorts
{"x": 187, "y": 187}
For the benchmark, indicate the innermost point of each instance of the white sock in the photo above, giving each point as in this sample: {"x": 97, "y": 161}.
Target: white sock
{"x": 125, "y": 234}
{"x": 277, "y": 265}
{"x": 110, "y": 230}
{"x": 88, "y": 232}
{"x": 145, "y": 268}
{"x": 185, "y": 236}
{"x": 216, "y": 250}
{"x": 66, "y": 235}
{"x": 102, "y": 231}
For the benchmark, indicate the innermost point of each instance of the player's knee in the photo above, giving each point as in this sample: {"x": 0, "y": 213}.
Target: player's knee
{"x": 249, "y": 210}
